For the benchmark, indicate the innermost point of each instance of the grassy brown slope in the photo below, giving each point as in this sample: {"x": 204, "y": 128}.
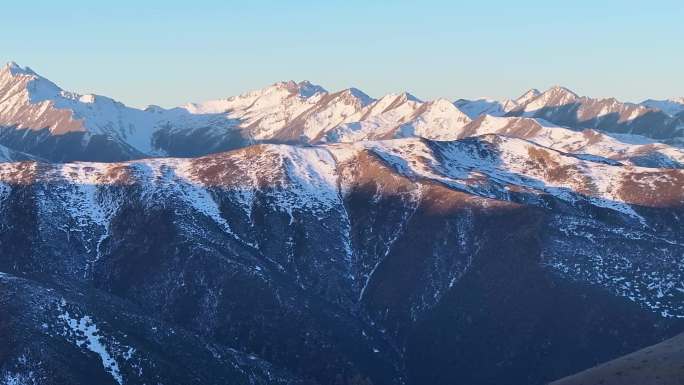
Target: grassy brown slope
{"x": 660, "y": 364}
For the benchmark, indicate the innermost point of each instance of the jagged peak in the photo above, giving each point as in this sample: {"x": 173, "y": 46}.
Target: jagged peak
{"x": 357, "y": 94}
{"x": 560, "y": 90}
{"x": 410, "y": 97}
{"x": 401, "y": 96}
{"x": 15, "y": 69}
{"x": 304, "y": 88}
{"x": 528, "y": 95}
{"x": 308, "y": 89}
{"x": 37, "y": 87}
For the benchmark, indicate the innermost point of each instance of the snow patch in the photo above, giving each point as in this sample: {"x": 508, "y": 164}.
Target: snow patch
{"x": 86, "y": 334}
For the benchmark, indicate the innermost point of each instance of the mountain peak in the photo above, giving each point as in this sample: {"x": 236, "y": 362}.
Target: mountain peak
{"x": 554, "y": 96}
{"x": 305, "y": 88}
{"x": 560, "y": 90}
{"x": 359, "y": 95}
{"x": 36, "y": 87}
{"x": 308, "y": 89}
{"x": 15, "y": 69}
{"x": 410, "y": 97}
{"x": 527, "y": 96}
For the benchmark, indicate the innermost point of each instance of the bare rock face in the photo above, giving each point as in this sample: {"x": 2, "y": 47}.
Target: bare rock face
{"x": 402, "y": 261}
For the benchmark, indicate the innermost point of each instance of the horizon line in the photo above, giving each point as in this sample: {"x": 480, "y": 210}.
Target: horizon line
{"x": 13, "y": 64}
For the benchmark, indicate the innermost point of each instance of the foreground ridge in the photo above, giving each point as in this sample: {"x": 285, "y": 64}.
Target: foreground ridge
{"x": 379, "y": 243}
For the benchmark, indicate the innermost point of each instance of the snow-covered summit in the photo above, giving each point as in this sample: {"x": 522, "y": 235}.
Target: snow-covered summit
{"x": 306, "y": 89}
{"x": 359, "y": 95}
{"x": 527, "y": 96}
{"x": 400, "y": 115}
{"x": 30, "y": 101}
{"x": 555, "y": 96}
{"x": 439, "y": 120}
{"x": 15, "y": 69}
{"x": 482, "y": 106}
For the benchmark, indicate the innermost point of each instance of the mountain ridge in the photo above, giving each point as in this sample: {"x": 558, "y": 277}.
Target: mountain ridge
{"x": 41, "y": 119}
{"x": 367, "y": 262}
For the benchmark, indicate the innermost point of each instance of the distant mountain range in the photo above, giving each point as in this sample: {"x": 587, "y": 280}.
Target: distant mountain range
{"x": 656, "y": 119}
{"x": 39, "y": 118}
{"x": 291, "y": 235}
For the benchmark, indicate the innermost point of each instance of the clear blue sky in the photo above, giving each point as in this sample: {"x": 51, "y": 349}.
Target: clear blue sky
{"x": 169, "y": 53}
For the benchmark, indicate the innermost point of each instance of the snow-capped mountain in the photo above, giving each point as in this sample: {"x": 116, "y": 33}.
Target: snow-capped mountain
{"x": 27, "y": 102}
{"x": 484, "y": 106}
{"x": 400, "y": 115}
{"x": 556, "y": 96}
{"x": 391, "y": 259}
{"x": 35, "y": 107}
{"x": 671, "y": 107}
{"x": 437, "y": 120}
{"x": 561, "y": 106}
{"x": 40, "y": 119}
{"x": 624, "y": 148}
{"x": 526, "y": 97}
{"x": 282, "y": 112}
{"x": 268, "y": 111}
